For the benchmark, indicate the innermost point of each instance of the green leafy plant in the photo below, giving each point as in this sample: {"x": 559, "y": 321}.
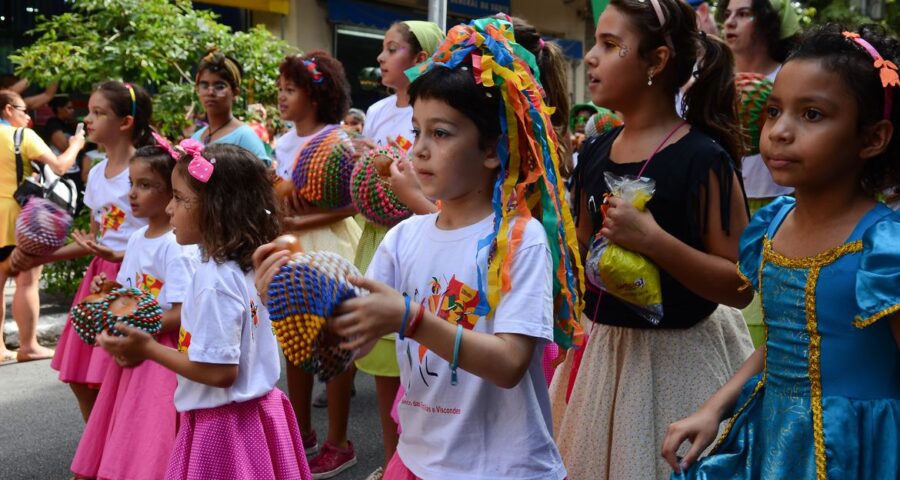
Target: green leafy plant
{"x": 155, "y": 43}
{"x": 63, "y": 278}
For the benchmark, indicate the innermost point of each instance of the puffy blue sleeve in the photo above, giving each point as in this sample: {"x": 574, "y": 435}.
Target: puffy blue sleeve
{"x": 878, "y": 278}
{"x": 751, "y": 242}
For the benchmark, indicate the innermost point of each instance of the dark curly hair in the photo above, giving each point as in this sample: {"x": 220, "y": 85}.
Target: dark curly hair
{"x": 710, "y": 103}
{"x": 158, "y": 160}
{"x": 767, "y": 25}
{"x": 118, "y": 95}
{"x": 237, "y": 207}
{"x": 331, "y": 94}
{"x": 828, "y": 46}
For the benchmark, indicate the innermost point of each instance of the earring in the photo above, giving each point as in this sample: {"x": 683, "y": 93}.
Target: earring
{"x": 650, "y": 79}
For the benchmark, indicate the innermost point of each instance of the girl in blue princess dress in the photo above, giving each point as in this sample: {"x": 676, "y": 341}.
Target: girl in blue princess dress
{"x": 821, "y": 398}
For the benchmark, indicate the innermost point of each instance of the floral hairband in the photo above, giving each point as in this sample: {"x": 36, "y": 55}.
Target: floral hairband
{"x": 887, "y": 70}
{"x": 313, "y": 69}
{"x": 200, "y": 168}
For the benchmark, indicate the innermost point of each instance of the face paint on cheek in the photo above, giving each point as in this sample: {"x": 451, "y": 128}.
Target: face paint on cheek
{"x": 623, "y": 50}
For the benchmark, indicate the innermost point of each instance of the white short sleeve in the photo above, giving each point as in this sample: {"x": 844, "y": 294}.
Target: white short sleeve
{"x": 216, "y": 335}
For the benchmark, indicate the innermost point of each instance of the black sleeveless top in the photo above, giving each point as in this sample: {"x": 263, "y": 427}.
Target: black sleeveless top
{"x": 681, "y": 171}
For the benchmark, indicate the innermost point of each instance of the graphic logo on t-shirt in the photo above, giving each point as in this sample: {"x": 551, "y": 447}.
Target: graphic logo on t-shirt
{"x": 457, "y": 304}
{"x": 111, "y": 219}
{"x": 184, "y": 340}
{"x": 403, "y": 143}
{"x": 148, "y": 283}
{"x": 254, "y": 317}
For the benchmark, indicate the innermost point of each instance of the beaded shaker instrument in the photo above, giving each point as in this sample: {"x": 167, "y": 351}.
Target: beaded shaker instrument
{"x": 83, "y": 314}
{"x": 302, "y": 296}
{"x": 753, "y": 90}
{"x": 323, "y": 167}
{"x": 130, "y": 306}
{"x": 41, "y": 228}
{"x": 371, "y": 191}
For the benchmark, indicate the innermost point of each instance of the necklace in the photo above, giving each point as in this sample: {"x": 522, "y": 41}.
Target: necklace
{"x": 210, "y": 132}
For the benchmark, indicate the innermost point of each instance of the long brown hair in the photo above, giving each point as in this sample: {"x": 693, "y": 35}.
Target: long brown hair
{"x": 711, "y": 102}
{"x": 237, "y": 207}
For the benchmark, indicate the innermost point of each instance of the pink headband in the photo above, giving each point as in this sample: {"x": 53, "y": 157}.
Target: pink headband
{"x": 662, "y": 23}
{"x": 887, "y": 70}
{"x": 199, "y": 168}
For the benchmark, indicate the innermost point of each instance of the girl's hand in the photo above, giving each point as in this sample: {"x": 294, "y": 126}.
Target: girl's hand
{"x": 700, "y": 429}
{"x": 362, "y": 144}
{"x": 97, "y": 282}
{"x": 629, "y": 227}
{"x": 405, "y": 185}
{"x": 128, "y": 350}
{"x": 370, "y": 317}
{"x": 267, "y": 261}
{"x": 295, "y": 205}
{"x": 19, "y": 261}
{"x": 88, "y": 243}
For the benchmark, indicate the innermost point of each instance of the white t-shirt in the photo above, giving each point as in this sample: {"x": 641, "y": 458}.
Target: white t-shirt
{"x": 758, "y": 181}
{"x": 159, "y": 266}
{"x": 286, "y": 149}
{"x": 474, "y": 430}
{"x": 223, "y": 322}
{"x": 385, "y": 120}
{"x": 108, "y": 200}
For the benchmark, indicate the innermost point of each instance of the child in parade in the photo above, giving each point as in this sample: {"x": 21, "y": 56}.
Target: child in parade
{"x": 825, "y": 383}
{"x": 634, "y": 377}
{"x": 473, "y": 315}
{"x": 118, "y": 120}
{"x": 234, "y": 422}
{"x": 131, "y": 431}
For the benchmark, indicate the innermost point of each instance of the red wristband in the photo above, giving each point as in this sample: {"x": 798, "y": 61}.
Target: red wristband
{"x": 414, "y": 324}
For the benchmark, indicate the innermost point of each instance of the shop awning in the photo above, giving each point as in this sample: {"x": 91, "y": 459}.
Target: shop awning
{"x": 274, "y": 6}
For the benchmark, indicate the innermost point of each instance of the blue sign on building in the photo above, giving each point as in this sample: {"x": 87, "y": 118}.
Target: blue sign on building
{"x": 477, "y": 8}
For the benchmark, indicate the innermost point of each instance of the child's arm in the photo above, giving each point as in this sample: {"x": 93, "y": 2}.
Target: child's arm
{"x": 136, "y": 346}
{"x": 171, "y": 320}
{"x": 501, "y": 359}
{"x": 405, "y": 185}
{"x": 711, "y": 274}
{"x": 300, "y": 215}
{"x": 701, "y": 427}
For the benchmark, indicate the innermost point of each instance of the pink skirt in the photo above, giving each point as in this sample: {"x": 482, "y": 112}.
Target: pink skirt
{"x": 131, "y": 431}
{"x": 76, "y": 361}
{"x": 255, "y": 439}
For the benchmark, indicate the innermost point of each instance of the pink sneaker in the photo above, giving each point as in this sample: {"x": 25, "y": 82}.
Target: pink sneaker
{"x": 310, "y": 444}
{"x": 332, "y": 461}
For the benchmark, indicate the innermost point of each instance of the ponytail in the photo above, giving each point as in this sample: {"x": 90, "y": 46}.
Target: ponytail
{"x": 710, "y": 104}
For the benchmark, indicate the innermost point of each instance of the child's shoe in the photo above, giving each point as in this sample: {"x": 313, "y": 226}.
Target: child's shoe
{"x": 331, "y": 461}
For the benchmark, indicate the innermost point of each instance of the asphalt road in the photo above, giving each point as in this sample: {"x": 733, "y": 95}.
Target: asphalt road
{"x": 40, "y": 424}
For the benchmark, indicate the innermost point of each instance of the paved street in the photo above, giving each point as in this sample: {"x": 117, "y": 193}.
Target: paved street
{"x": 40, "y": 424}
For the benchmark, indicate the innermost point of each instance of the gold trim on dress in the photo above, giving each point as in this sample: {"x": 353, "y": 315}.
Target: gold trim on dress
{"x": 860, "y": 322}
{"x": 743, "y": 278}
{"x": 815, "y": 374}
{"x": 819, "y": 260}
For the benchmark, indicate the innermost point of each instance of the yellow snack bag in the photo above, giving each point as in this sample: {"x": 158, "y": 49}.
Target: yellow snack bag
{"x": 622, "y": 273}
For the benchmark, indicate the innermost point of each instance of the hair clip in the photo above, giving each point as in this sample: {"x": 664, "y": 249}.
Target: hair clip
{"x": 133, "y": 98}
{"x": 317, "y": 76}
{"x": 165, "y": 145}
{"x": 887, "y": 70}
{"x": 200, "y": 168}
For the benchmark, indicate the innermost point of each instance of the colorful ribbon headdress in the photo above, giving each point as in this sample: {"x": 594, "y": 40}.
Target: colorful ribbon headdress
{"x": 200, "y": 168}
{"x": 887, "y": 70}
{"x": 529, "y": 175}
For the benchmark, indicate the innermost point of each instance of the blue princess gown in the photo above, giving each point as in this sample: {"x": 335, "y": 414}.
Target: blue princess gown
{"x": 827, "y": 404}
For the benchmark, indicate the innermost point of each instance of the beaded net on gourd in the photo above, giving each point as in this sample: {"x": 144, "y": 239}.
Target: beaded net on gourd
{"x": 753, "y": 90}
{"x": 130, "y": 306}
{"x": 42, "y": 227}
{"x": 323, "y": 167}
{"x": 302, "y": 296}
{"x": 371, "y": 190}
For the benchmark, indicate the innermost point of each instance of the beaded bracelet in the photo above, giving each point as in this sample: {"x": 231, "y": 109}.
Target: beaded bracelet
{"x": 411, "y": 330}
{"x": 455, "y": 363}
{"x": 402, "y": 332}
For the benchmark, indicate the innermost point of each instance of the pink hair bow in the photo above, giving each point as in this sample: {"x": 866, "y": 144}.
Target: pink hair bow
{"x": 161, "y": 142}
{"x": 199, "y": 168}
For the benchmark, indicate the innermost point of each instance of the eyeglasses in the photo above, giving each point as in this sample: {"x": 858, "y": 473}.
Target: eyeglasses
{"x": 216, "y": 87}
{"x": 21, "y": 109}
